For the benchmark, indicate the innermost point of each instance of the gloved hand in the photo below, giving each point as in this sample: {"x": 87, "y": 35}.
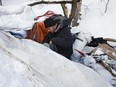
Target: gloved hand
{"x": 46, "y": 44}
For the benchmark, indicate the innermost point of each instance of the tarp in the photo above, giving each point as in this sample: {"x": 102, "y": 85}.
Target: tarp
{"x": 47, "y": 68}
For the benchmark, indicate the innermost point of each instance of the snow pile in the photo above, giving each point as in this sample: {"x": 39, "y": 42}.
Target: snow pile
{"x": 99, "y": 18}
{"x": 30, "y": 64}
{"x": 16, "y": 18}
{"x": 42, "y": 67}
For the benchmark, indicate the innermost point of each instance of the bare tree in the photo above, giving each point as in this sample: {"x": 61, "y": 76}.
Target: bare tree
{"x": 0, "y": 2}
{"x": 77, "y": 14}
{"x": 74, "y": 14}
{"x": 73, "y": 10}
{"x": 65, "y": 9}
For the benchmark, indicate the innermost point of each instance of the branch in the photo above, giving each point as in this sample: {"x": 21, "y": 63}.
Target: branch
{"x": 50, "y": 2}
{"x": 107, "y": 6}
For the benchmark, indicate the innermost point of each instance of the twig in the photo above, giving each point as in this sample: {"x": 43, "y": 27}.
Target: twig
{"x": 106, "y": 6}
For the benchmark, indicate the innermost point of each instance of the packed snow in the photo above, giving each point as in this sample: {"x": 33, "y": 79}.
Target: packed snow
{"x": 96, "y": 20}
{"x": 42, "y": 67}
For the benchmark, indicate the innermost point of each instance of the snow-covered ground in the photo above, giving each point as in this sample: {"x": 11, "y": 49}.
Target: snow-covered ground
{"x": 25, "y": 63}
{"x": 96, "y": 20}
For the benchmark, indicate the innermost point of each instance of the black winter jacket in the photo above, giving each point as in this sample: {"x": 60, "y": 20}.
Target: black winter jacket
{"x": 62, "y": 39}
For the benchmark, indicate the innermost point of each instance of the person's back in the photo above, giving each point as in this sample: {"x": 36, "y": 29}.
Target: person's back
{"x": 59, "y": 36}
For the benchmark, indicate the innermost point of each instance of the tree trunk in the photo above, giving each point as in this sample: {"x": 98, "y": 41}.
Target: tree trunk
{"x": 0, "y": 2}
{"x": 73, "y": 10}
{"x": 77, "y": 14}
{"x": 65, "y": 10}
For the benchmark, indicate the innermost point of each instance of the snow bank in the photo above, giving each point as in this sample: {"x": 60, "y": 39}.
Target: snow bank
{"x": 43, "y": 67}
{"x": 96, "y": 19}
{"x": 16, "y": 17}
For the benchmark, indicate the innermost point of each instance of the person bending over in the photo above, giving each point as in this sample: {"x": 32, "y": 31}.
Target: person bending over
{"x": 59, "y": 37}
